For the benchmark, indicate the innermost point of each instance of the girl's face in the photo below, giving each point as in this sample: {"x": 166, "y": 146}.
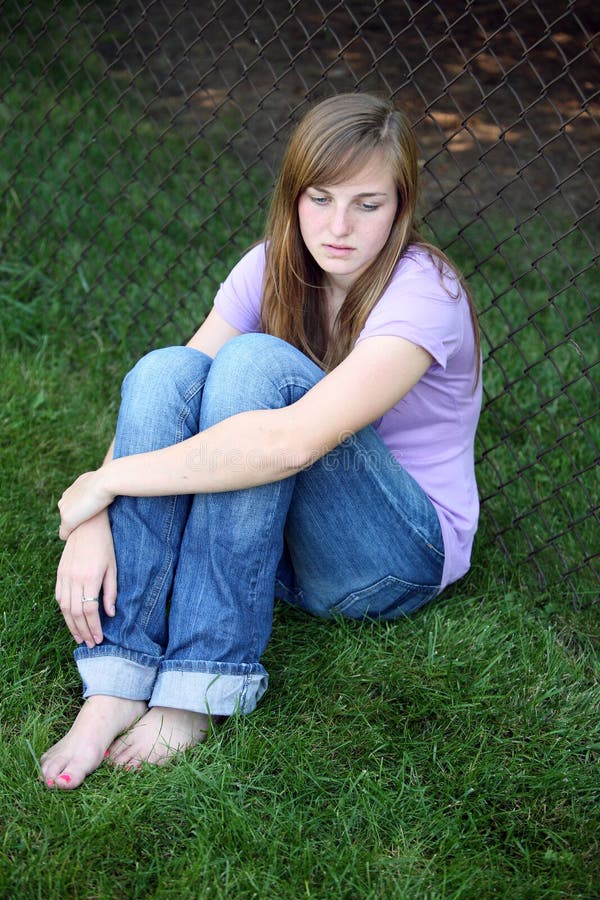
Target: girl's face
{"x": 345, "y": 226}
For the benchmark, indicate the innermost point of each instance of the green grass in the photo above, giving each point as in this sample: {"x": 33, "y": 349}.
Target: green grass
{"x": 451, "y": 755}
{"x": 454, "y": 754}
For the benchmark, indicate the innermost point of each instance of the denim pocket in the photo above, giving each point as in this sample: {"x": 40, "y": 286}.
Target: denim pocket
{"x": 388, "y": 598}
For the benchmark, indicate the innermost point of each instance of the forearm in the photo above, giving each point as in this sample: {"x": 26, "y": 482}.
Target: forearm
{"x": 246, "y": 450}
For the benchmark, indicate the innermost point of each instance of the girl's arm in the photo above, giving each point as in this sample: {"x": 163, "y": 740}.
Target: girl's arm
{"x": 262, "y": 446}
{"x": 213, "y": 334}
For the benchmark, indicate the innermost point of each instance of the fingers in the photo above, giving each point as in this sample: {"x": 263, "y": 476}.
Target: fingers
{"x": 62, "y": 595}
{"x": 64, "y": 532}
{"x": 109, "y": 591}
{"x": 80, "y": 606}
{"x": 87, "y": 567}
{"x": 86, "y": 615}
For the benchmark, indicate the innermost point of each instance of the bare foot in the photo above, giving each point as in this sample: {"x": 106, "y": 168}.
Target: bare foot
{"x": 83, "y": 748}
{"x": 158, "y": 736}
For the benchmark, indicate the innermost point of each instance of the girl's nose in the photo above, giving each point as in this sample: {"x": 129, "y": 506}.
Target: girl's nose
{"x": 340, "y": 222}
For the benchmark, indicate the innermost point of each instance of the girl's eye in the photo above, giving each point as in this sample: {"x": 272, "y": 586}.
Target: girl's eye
{"x": 369, "y": 207}
{"x": 320, "y": 201}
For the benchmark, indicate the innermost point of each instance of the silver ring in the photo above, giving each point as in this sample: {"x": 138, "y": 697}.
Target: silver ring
{"x": 89, "y": 600}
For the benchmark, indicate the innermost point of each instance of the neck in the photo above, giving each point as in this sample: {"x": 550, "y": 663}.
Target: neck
{"x": 335, "y": 294}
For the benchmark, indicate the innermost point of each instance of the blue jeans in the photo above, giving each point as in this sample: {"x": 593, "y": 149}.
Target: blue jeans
{"x": 352, "y": 535}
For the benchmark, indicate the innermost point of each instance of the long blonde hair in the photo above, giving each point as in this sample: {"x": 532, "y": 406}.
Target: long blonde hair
{"x": 332, "y": 143}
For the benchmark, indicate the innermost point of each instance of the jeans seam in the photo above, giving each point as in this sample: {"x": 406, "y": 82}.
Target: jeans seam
{"x": 162, "y": 576}
{"x": 258, "y": 574}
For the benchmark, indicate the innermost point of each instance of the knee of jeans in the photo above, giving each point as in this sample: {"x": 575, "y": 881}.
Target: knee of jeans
{"x": 162, "y": 370}
{"x": 248, "y": 351}
{"x": 245, "y": 375}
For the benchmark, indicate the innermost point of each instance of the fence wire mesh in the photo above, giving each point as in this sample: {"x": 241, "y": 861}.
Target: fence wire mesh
{"x": 140, "y": 141}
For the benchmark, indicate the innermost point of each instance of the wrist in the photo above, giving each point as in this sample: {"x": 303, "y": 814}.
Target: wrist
{"x": 105, "y": 483}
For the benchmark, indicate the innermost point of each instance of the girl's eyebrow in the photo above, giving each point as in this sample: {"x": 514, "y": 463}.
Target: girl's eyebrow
{"x": 315, "y": 187}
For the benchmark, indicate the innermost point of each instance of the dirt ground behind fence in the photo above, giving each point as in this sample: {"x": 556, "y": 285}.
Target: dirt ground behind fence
{"x": 504, "y": 95}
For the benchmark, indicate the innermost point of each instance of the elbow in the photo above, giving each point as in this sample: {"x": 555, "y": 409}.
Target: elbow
{"x": 292, "y": 457}
{"x": 294, "y": 451}
{"x": 306, "y": 452}
{"x": 295, "y": 445}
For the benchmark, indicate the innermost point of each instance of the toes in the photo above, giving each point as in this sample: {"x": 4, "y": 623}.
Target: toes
{"x": 157, "y": 738}
{"x": 66, "y": 779}
{"x": 125, "y": 755}
{"x": 66, "y": 770}
{"x": 131, "y": 755}
{"x": 119, "y": 753}
{"x": 127, "y": 761}
{"x": 52, "y": 767}
{"x": 52, "y": 754}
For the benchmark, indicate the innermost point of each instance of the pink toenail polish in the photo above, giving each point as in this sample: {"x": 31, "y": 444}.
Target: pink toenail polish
{"x": 50, "y": 782}
{"x": 65, "y": 777}
{"x": 106, "y": 753}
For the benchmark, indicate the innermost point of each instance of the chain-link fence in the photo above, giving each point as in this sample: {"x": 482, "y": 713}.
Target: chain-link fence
{"x": 139, "y": 144}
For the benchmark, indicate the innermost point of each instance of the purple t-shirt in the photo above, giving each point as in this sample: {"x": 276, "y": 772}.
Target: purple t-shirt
{"x": 431, "y": 431}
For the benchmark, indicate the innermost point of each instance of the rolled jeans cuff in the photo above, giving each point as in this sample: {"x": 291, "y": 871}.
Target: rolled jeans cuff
{"x": 227, "y": 689}
{"x": 116, "y": 675}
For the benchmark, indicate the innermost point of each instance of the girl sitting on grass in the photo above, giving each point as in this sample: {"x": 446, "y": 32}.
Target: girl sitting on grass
{"x": 313, "y": 442}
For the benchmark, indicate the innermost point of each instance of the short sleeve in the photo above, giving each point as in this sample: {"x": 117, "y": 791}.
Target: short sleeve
{"x": 239, "y": 297}
{"x": 422, "y": 305}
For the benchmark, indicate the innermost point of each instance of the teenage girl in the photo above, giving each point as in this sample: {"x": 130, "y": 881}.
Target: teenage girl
{"x": 312, "y": 442}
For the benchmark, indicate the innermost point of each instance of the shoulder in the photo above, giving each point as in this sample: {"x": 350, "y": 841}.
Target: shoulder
{"x": 239, "y": 297}
{"x": 247, "y": 274}
{"x": 425, "y": 303}
{"x": 252, "y": 263}
{"x": 428, "y": 272}
{"x": 422, "y": 285}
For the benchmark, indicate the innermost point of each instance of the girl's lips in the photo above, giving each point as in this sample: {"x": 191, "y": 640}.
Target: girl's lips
{"x": 338, "y": 249}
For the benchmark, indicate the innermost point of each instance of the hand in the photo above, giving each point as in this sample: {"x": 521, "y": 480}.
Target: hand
{"x": 87, "y": 566}
{"x": 80, "y": 502}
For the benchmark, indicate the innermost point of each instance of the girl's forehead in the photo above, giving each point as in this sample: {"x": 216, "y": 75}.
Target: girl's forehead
{"x": 374, "y": 169}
